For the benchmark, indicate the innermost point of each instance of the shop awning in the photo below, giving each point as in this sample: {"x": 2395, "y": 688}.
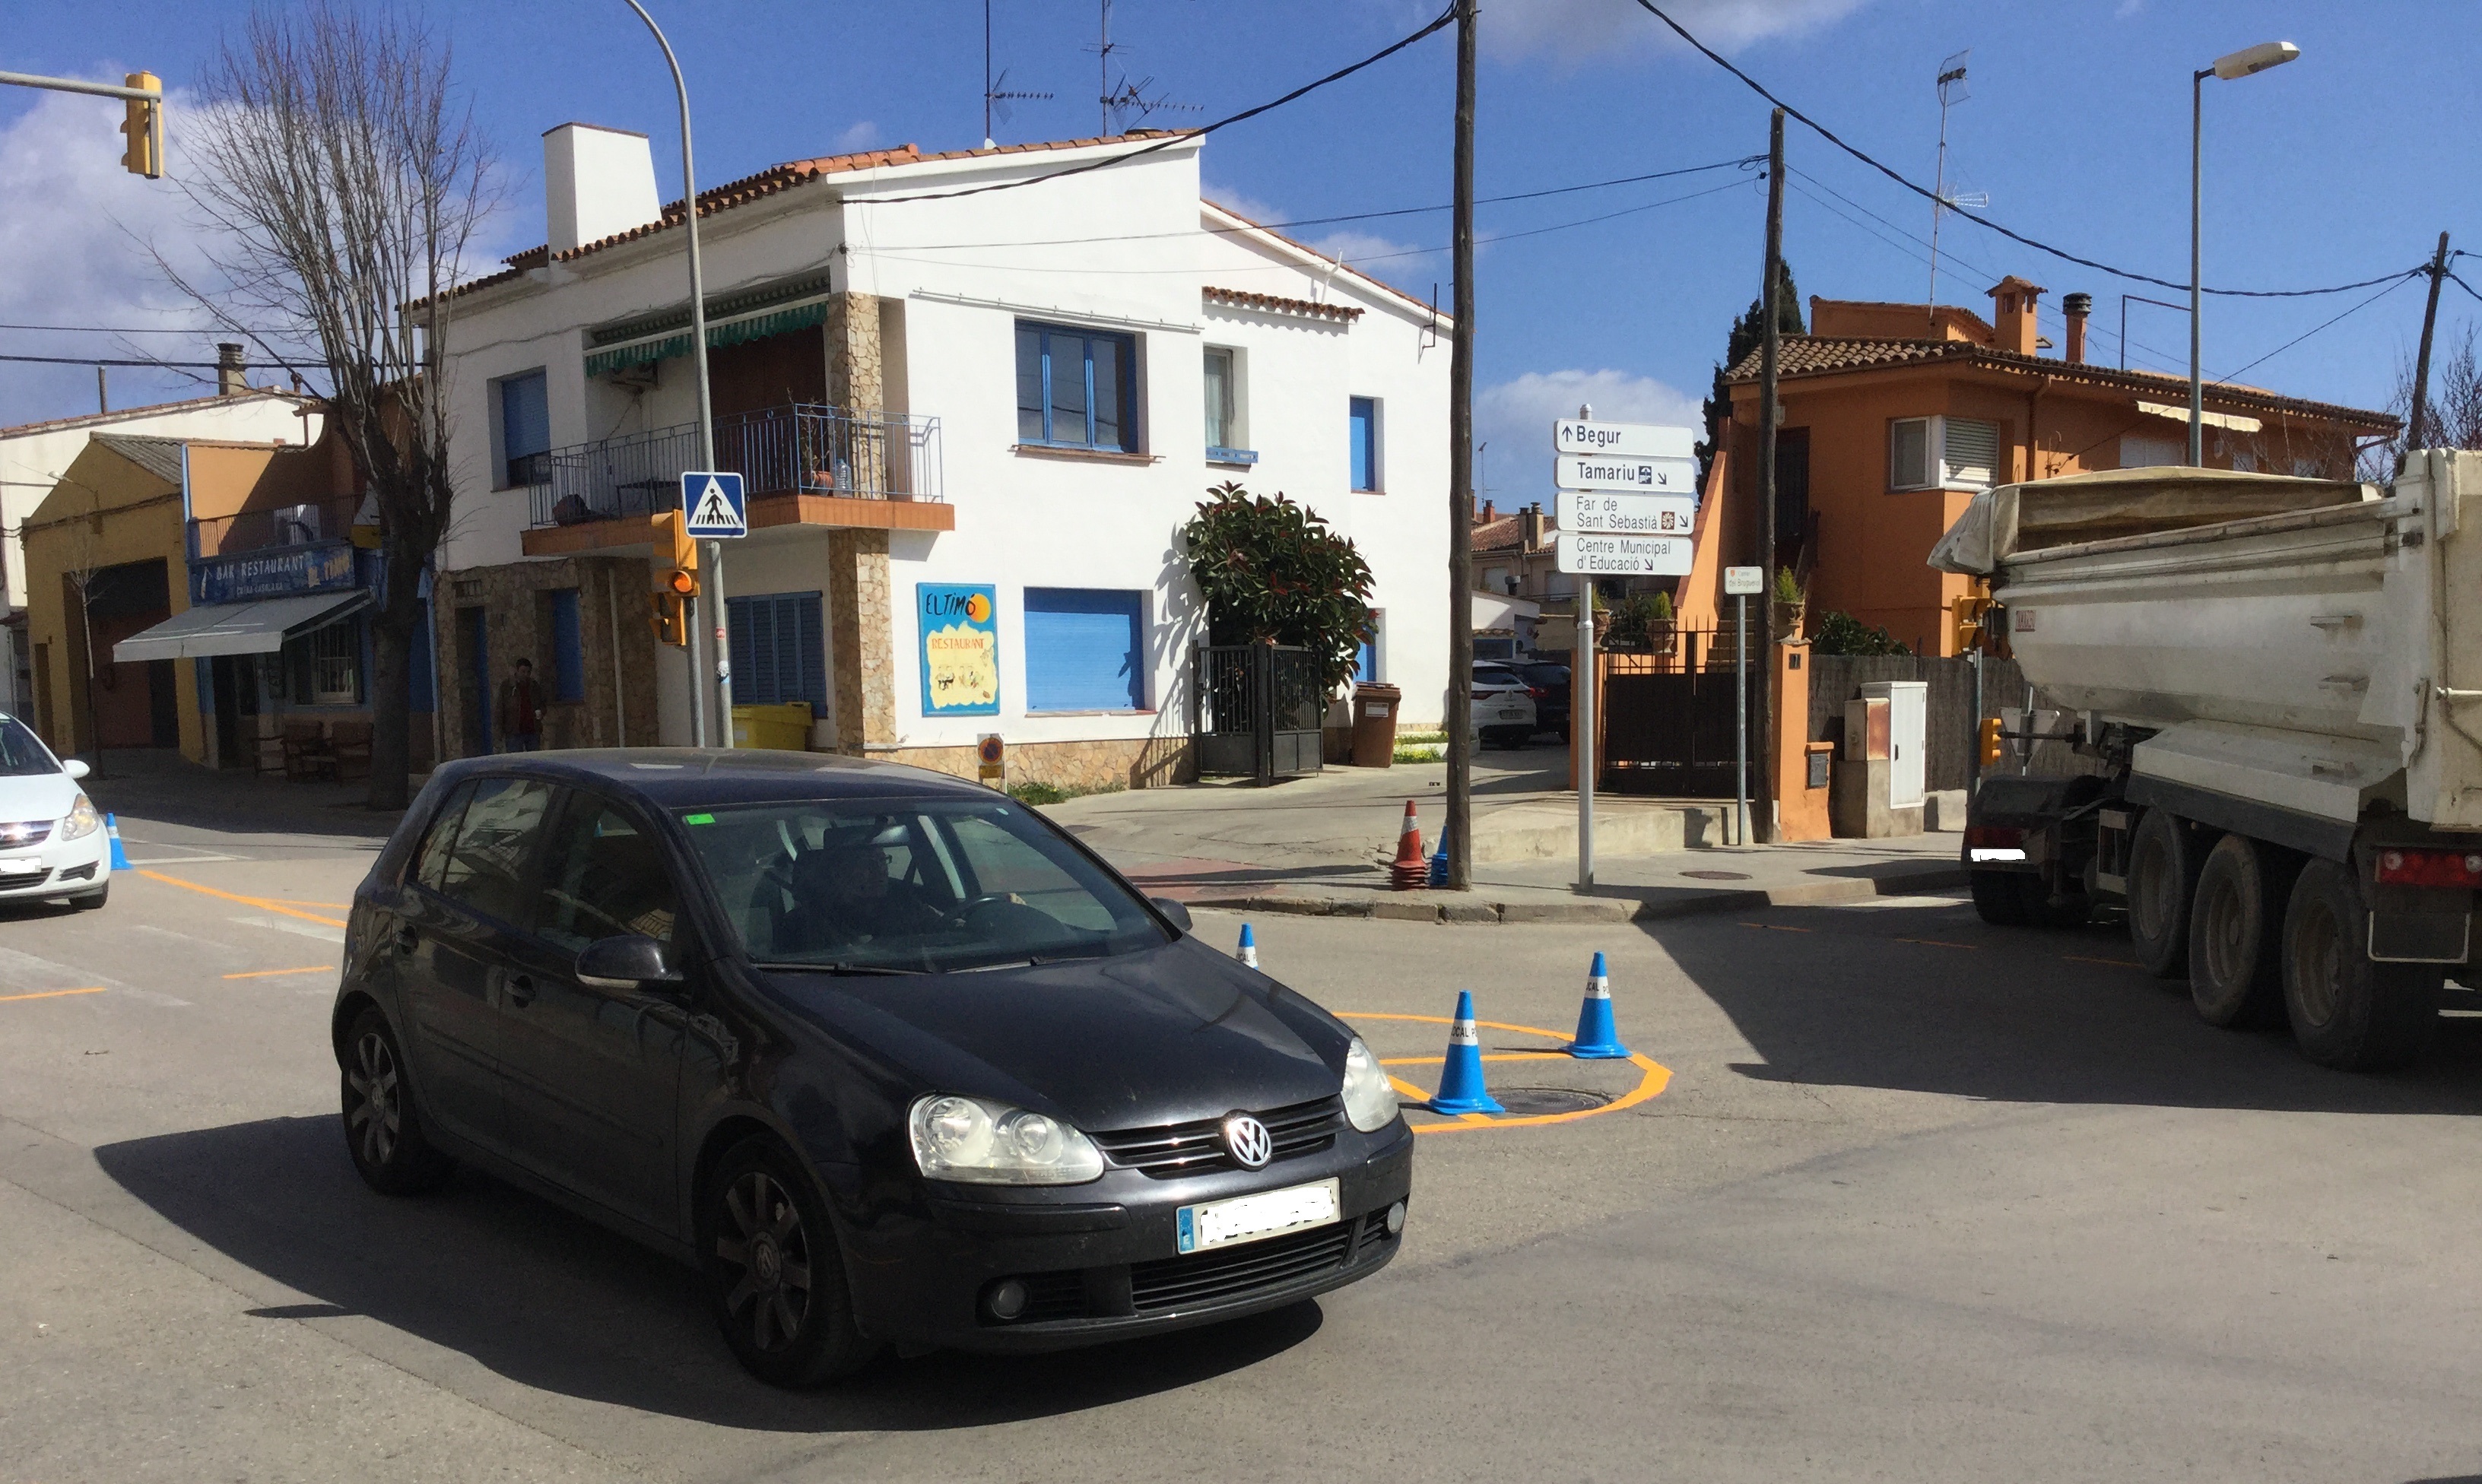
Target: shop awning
{"x": 257, "y": 627}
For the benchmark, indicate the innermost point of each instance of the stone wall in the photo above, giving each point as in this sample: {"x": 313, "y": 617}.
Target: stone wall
{"x": 516, "y": 606}
{"x": 1132, "y": 762}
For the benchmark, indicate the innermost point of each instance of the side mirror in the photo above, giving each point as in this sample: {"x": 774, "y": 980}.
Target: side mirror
{"x": 75, "y": 767}
{"x": 629, "y": 962}
{"x": 1171, "y": 909}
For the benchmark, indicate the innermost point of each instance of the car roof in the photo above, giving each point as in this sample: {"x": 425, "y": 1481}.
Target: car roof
{"x": 687, "y": 777}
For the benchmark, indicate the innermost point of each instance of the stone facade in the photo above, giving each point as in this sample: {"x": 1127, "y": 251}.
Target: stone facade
{"x": 514, "y": 605}
{"x": 859, "y": 643}
{"x": 855, "y": 376}
{"x": 1131, "y": 762}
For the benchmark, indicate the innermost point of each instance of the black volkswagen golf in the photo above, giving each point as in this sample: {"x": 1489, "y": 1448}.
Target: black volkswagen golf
{"x": 888, "y": 1056}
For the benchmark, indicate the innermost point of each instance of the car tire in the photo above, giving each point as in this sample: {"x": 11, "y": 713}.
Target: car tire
{"x": 2348, "y": 1012}
{"x": 92, "y": 901}
{"x": 2236, "y": 941}
{"x": 2163, "y": 863}
{"x": 383, "y": 1130}
{"x": 1999, "y": 898}
{"x": 775, "y": 1277}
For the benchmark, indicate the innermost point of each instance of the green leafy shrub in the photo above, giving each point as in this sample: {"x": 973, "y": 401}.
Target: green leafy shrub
{"x": 1274, "y": 573}
{"x": 1841, "y": 633}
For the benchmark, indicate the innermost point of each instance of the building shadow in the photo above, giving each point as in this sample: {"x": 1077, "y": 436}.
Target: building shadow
{"x": 1944, "y": 1004}
{"x": 554, "y": 1302}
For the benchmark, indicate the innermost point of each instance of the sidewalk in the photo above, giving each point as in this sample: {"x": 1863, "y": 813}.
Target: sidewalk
{"x": 160, "y": 785}
{"x": 1321, "y": 846}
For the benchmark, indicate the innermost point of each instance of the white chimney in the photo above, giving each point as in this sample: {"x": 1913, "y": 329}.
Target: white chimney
{"x": 596, "y": 182}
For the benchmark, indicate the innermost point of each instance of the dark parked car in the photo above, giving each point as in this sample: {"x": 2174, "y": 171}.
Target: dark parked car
{"x": 889, "y": 1055}
{"x": 1549, "y": 683}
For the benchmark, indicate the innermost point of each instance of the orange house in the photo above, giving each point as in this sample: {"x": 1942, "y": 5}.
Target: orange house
{"x": 1894, "y": 415}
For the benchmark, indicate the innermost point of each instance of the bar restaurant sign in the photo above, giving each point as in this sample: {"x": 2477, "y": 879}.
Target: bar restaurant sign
{"x": 287, "y": 569}
{"x": 961, "y": 649}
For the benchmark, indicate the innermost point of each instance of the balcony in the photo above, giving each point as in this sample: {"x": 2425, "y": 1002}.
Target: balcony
{"x": 289, "y": 525}
{"x": 799, "y": 465}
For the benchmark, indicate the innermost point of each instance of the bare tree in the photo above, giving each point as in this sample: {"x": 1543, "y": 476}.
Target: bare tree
{"x": 2452, "y": 412}
{"x": 341, "y": 181}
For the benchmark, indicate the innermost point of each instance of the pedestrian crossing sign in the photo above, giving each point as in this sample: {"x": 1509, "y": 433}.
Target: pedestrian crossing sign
{"x": 714, "y": 502}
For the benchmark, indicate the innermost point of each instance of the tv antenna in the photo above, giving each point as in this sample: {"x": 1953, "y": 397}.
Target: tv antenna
{"x": 1952, "y": 90}
{"x": 995, "y": 89}
{"x": 1129, "y": 99}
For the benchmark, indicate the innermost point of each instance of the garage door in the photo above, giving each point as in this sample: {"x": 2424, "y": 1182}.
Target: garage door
{"x": 1085, "y": 649}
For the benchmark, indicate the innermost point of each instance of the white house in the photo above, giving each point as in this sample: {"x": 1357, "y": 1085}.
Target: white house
{"x": 975, "y": 397}
{"x": 34, "y": 455}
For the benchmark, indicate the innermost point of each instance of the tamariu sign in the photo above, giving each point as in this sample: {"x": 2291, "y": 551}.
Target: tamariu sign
{"x": 961, "y": 649}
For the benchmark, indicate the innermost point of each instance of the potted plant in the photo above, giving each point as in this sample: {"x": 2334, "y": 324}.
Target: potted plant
{"x": 1789, "y": 601}
{"x": 1662, "y": 632}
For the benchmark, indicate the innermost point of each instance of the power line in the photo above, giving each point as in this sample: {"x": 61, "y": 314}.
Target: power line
{"x": 107, "y": 329}
{"x": 1928, "y": 194}
{"x": 89, "y": 360}
{"x": 2400, "y": 281}
{"x": 2462, "y": 284}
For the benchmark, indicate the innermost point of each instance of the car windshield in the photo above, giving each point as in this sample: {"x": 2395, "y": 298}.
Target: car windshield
{"x": 928, "y": 886}
{"x": 22, "y": 754}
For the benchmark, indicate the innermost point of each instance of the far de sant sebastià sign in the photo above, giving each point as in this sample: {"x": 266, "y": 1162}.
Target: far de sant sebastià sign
{"x": 1619, "y": 514}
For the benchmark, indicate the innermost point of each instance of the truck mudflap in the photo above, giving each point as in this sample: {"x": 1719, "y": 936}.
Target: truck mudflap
{"x": 2436, "y": 937}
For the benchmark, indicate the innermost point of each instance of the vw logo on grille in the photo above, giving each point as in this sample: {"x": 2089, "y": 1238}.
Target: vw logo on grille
{"x": 1248, "y": 1141}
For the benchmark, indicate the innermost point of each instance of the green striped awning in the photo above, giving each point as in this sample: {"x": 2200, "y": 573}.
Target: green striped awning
{"x": 736, "y": 331}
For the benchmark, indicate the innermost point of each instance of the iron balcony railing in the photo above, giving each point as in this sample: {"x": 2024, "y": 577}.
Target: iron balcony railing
{"x": 777, "y": 451}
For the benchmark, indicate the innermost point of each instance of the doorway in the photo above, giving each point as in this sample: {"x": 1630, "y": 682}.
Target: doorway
{"x": 235, "y": 681}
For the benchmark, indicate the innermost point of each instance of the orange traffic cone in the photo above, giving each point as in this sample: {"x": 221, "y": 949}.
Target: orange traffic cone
{"x": 1411, "y": 871}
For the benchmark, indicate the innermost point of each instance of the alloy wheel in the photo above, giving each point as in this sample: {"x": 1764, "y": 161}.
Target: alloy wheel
{"x": 378, "y": 1113}
{"x": 763, "y": 1236}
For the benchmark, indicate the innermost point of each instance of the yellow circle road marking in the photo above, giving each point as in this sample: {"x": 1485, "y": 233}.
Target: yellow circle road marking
{"x": 268, "y": 973}
{"x": 1654, "y": 1078}
{"x": 271, "y": 903}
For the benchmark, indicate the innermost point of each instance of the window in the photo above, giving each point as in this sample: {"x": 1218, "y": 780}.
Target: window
{"x": 1366, "y": 658}
{"x": 1084, "y": 650}
{"x": 2150, "y": 451}
{"x": 779, "y": 650}
{"x": 1225, "y": 441}
{"x": 22, "y": 754}
{"x": 604, "y": 877}
{"x": 486, "y": 869}
{"x": 1940, "y": 452}
{"x": 567, "y": 647}
{"x": 1076, "y": 389}
{"x": 324, "y": 665}
{"x": 525, "y": 428}
{"x": 432, "y": 866}
{"x": 1364, "y": 434}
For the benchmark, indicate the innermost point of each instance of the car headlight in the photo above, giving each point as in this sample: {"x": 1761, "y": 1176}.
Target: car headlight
{"x": 994, "y": 1144}
{"x": 82, "y": 820}
{"x": 1370, "y": 1098}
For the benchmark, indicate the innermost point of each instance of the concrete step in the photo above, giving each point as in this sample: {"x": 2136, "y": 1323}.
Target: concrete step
{"x": 1549, "y": 830}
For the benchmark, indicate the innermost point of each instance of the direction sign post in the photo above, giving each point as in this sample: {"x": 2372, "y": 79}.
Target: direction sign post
{"x": 1741, "y": 582}
{"x": 715, "y": 508}
{"x": 1606, "y": 471}
{"x": 1613, "y": 513}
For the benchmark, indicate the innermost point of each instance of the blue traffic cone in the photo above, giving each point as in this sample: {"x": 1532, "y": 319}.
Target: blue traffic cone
{"x": 1439, "y": 862}
{"x": 1248, "y": 953}
{"x": 1597, "y": 1038}
{"x": 1461, "y": 1086}
{"x": 120, "y": 856}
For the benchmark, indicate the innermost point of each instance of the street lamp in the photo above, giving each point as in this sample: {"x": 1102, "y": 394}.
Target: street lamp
{"x": 2240, "y": 64}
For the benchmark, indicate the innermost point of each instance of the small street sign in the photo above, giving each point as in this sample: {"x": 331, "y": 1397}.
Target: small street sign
{"x": 1616, "y": 471}
{"x": 1633, "y": 440}
{"x": 1624, "y": 556}
{"x": 1743, "y": 582}
{"x": 989, "y": 752}
{"x": 714, "y": 502}
{"x": 1631, "y": 515}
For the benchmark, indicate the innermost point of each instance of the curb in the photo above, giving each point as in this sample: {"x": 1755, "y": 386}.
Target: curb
{"x": 1393, "y": 909}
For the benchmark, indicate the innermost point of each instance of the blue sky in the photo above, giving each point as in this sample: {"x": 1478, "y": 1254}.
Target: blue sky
{"x": 2343, "y": 166}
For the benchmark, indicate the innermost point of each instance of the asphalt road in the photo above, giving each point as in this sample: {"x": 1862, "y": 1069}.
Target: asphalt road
{"x": 1916, "y": 1200}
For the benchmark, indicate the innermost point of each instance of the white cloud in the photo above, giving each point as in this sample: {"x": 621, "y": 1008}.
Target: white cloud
{"x": 1514, "y": 417}
{"x": 1242, "y": 202}
{"x": 861, "y": 136}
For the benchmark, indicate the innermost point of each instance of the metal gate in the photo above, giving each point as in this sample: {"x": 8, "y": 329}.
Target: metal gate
{"x": 1668, "y": 721}
{"x": 1257, "y": 710}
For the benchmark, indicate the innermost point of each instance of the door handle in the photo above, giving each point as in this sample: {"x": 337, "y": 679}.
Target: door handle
{"x": 519, "y": 990}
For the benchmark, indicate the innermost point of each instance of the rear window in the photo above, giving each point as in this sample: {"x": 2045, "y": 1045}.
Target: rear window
{"x": 1548, "y": 674}
{"x": 1483, "y": 677}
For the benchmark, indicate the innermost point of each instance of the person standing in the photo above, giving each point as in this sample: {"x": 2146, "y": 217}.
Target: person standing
{"x": 520, "y": 710}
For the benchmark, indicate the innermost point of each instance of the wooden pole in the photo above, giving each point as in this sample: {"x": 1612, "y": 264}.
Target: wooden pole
{"x": 1769, "y": 350}
{"x": 1460, "y": 717}
{"x": 2421, "y": 362}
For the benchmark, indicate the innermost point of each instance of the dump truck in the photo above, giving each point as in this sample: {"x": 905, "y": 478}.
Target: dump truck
{"x": 2266, "y": 694}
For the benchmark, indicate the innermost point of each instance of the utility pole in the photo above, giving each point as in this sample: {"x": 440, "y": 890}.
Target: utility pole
{"x": 1770, "y": 348}
{"x": 2422, "y": 362}
{"x": 1460, "y": 717}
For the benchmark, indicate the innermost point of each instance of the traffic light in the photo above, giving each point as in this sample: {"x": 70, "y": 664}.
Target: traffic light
{"x": 144, "y": 124}
{"x": 670, "y": 615}
{"x": 1968, "y": 614}
{"x": 1991, "y": 743}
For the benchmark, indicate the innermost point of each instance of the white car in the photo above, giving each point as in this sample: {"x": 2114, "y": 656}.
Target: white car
{"x": 1503, "y": 706}
{"x": 52, "y": 840}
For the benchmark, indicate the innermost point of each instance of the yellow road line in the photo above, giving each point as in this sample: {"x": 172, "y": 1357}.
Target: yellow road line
{"x": 53, "y": 994}
{"x": 1408, "y": 1089}
{"x": 1654, "y": 1078}
{"x": 268, "y": 973}
{"x": 2116, "y": 963}
{"x": 1424, "y": 1061}
{"x": 1936, "y": 943}
{"x": 270, "y": 903}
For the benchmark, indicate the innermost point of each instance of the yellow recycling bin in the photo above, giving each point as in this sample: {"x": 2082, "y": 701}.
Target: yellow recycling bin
{"x": 782, "y": 728}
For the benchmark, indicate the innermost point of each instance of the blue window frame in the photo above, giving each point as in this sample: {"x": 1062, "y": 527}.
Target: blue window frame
{"x": 567, "y": 647}
{"x": 1366, "y": 658}
{"x": 525, "y": 428}
{"x": 1364, "y": 434}
{"x": 1084, "y": 650}
{"x": 1076, "y": 389}
{"x": 779, "y": 650}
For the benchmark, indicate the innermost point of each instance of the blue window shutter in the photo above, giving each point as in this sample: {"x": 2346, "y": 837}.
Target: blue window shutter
{"x": 1085, "y": 649}
{"x": 1364, "y": 416}
{"x": 525, "y": 415}
{"x": 811, "y": 632}
{"x": 567, "y": 648}
{"x": 745, "y": 667}
{"x": 1365, "y": 665}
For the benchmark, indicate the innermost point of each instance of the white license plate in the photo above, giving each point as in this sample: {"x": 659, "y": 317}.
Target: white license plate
{"x": 1248, "y": 1219}
{"x": 19, "y": 868}
{"x": 1510, "y": 716}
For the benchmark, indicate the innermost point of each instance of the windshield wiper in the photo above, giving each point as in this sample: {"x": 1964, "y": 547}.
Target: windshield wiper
{"x": 848, "y": 969}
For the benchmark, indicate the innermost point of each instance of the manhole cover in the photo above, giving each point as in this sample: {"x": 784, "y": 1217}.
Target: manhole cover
{"x": 1718, "y": 875}
{"x": 1548, "y": 1100}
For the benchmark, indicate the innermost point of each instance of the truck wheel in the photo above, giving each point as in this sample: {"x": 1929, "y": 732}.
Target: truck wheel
{"x": 2348, "y": 1012}
{"x": 2234, "y": 942}
{"x": 2163, "y": 862}
{"x": 2001, "y": 898}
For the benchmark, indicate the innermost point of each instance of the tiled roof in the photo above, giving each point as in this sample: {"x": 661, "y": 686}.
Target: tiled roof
{"x": 124, "y": 414}
{"x": 777, "y": 180}
{"x": 158, "y": 456}
{"x": 1809, "y": 355}
{"x": 1273, "y": 303}
{"x": 1385, "y": 288}
{"x": 1508, "y": 533}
